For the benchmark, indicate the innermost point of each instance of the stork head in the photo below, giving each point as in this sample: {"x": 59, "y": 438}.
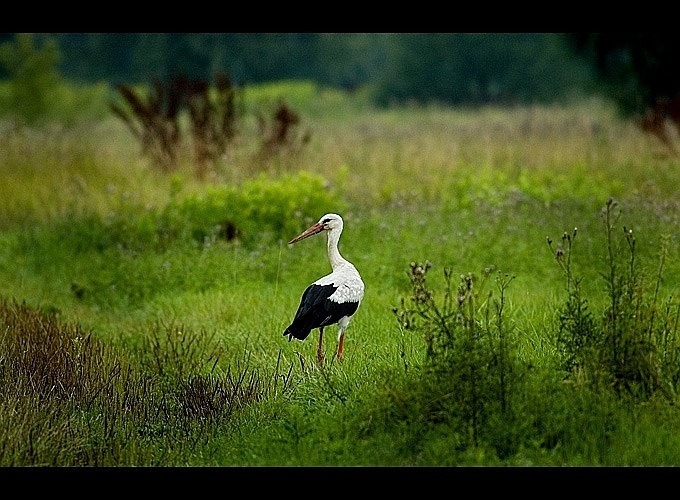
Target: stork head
{"x": 326, "y": 223}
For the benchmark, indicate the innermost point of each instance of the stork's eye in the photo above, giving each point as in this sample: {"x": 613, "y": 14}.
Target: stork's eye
{"x": 326, "y": 221}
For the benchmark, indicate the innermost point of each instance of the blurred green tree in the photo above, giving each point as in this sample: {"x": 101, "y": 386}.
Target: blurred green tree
{"x": 33, "y": 76}
{"x": 640, "y": 72}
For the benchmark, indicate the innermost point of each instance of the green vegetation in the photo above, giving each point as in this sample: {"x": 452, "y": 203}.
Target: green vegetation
{"x": 142, "y": 311}
{"x": 451, "y": 68}
{"x": 34, "y": 92}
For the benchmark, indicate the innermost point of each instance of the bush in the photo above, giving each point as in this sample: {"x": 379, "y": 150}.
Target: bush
{"x": 471, "y": 370}
{"x": 261, "y": 209}
{"x": 632, "y": 346}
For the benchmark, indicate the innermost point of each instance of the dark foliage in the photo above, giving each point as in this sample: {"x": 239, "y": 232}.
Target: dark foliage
{"x": 155, "y": 119}
{"x": 279, "y": 131}
{"x": 69, "y": 399}
{"x": 641, "y": 73}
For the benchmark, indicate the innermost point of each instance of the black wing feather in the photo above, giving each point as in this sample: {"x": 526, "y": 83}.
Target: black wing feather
{"x": 317, "y": 311}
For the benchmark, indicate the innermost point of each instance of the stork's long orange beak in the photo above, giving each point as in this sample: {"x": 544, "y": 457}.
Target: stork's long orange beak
{"x": 310, "y": 231}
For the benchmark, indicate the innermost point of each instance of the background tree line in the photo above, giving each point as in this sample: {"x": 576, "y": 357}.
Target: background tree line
{"x": 635, "y": 69}
{"x": 450, "y": 68}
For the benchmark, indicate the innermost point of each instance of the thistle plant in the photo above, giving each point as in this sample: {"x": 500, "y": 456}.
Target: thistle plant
{"x": 576, "y": 334}
{"x": 632, "y": 347}
{"x": 470, "y": 368}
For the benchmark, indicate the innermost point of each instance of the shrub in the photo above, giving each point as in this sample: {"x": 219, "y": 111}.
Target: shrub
{"x": 471, "y": 368}
{"x": 156, "y": 118}
{"x": 191, "y": 120}
{"x": 260, "y": 209}
{"x": 632, "y": 346}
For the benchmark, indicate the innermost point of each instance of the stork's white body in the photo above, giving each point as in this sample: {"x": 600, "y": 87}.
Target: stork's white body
{"x": 333, "y": 298}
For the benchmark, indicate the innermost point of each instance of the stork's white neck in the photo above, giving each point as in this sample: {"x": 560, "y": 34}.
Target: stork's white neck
{"x": 333, "y": 252}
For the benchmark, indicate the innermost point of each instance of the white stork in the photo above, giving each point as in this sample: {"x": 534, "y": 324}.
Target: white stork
{"x": 331, "y": 299}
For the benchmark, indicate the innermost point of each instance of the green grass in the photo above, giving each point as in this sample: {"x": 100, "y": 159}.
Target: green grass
{"x": 92, "y": 237}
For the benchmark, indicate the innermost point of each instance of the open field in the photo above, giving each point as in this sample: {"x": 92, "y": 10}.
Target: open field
{"x": 171, "y": 349}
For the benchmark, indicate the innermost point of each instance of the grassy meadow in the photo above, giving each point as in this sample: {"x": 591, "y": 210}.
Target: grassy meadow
{"x": 142, "y": 312}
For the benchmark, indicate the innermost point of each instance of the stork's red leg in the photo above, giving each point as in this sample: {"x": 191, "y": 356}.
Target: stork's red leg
{"x": 341, "y": 341}
{"x": 319, "y": 350}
